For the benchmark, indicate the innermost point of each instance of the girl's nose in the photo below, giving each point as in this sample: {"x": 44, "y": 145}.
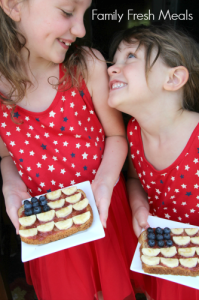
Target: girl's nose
{"x": 114, "y": 69}
{"x": 78, "y": 29}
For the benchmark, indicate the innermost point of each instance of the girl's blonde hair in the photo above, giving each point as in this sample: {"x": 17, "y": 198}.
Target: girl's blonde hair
{"x": 11, "y": 63}
{"x": 174, "y": 47}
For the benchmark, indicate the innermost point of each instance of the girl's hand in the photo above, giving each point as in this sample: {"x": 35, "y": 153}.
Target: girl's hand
{"x": 13, "y": 201}
{"x": 102, "y": 194}
{"x": 140, "y": 220}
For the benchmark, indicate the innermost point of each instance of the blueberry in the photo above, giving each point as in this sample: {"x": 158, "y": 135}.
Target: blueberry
{"x": 151, "y": 243}
{"x": 161, "y": 243}
{"x": 151, "y": 236}
{"x": 46, "y": 208}
{"x": 167, "y": 236}
{"x": 167, "y": 230}
{"x": 169, "y": 243}
{"x": 27, "y": 204}
{"x": 43, "y": 202}
{"x": 158, "y": 230}
{"x": 36, "y": 210}
{"x": 159, "y": 237}
{"x": 36, "y": 203}
{"x": 28, "y": 212}
{"x": 41, "y": 198}
{"x": 150, "y": 230}
{"x": 34, "y": 199}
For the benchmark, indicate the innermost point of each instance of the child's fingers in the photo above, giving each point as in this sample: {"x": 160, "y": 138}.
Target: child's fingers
{"x": 103, "y": 212}
{"x": 12, "y": 213}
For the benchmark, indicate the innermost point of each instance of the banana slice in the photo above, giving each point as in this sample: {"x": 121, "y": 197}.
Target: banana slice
{"x": 27, "y": 221}
{"x": 169, "y": 252}
{"x": 28, "y": 232}
{"x": 177, "y": 231}
{"x": 73, "y": 199}
{"x": 187, "y": 252}
{"x": 53, "y": 195}
{"x": 195, "y": 240}
{"x": 191, "y": 231}
{"x": 62, "y": 213}
{"x": 81, "y": 204}
{"x": 197, "y": 250}
{"x": 46, "y": 227}
{"x": 150, "y": 252}
{"x": 169, "y": 262}
{"x": 151, "y": 261}
{"x": 69, "y": 191}
{"x": 56, "y": 204}
{"x": 46, "y": 216}
{"x": 61, "y": 225}
{"x": 181, "y": 240}
{"x": 81, "y": 219}
{"x": 189, "y": 262}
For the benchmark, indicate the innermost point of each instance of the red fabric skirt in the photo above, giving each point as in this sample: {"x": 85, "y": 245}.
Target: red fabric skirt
{"x": 103, "y": 265}
{"x": 161, "y": 289}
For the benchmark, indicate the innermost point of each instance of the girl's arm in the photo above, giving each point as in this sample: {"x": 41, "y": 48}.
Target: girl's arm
{"x": 115, "y": 143}
{"x": 138, "y": 200}
{"x": 14, "y": 189}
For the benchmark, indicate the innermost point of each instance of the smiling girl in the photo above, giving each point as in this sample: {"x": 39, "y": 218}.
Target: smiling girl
{"x": 57, "y": 130}
{"x": 155, "y": 79}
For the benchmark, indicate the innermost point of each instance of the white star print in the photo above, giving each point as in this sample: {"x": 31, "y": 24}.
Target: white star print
{"x": 158, "y": 191}
{"x": 55, "y": 158}
{"x": 172, "y": 178}
{"x": 32, "y": 153}
{"x": 3, "y": 125}
{"x": 197, "y": 173}
{"x": 80, "y": 123}
{"x": 46, "y": 134}
{"x": 29, "y": 169}
{"x": 72, "y": 104}
{"x": 27, "y": 118}
{"x": 187, "y": 167}
{"x": 51, "y": 124}
{"x": 88, "y": 145}
{"x": 84, "y": 107}
{"x": 95, "y": 157}
{"x": 167, "y": 216}
{"x": 71, "y": 129}
{"x": 63, "y": 98}
{"x": 53, "y": 182}
{"x": 192, "y": 210}
{"x": 174, "y": 210}
{"x": 42, "y": 184}
{"x": 5, "y": 114}
{"x": 78, "y": 174}
{"x": 196, "y": 186}
{"x": 174, "y": 202}
{"x": 52, "y": 114}
{"x": 37, "y": 137}
{"x": 78, "y": 145}
{"x": 55, "y": 142}
{"x": 51, "y": 168}
{"x": 183, "y": 186}
{"x": 186, "y": 215}
{"x": 176, "y": 190}
{"x": 18, "y": 129}
{"x": 12, "y": 143}
{"x": 61, "y": 109}
{"x": 38, "y": 165}
{"x": 65, "y": 143}
{"x": 20, "y": 173}
{"x": 56, "y": 150}
{"x": 8, "y": 133}
{"x": 184, "y": 203}
{"x": 195, "y": 160}
{"x": 133, "y": 156}
{"x": 85, "y": 155}
{"x": 73, "y": 93}
{"x": 76, "y": 113}
{"x": 21, "y": 151}
{"x": 44, "y": 156}
{"x": 131, "y": 133}
{"x": 91, "y": 112}
{"x": 94, "y": 172}
{"x": 73, "y": 166}
{"x": 63, "y": 171}
{"x": 64, "y": 159}
{"x": 28, "y": 134}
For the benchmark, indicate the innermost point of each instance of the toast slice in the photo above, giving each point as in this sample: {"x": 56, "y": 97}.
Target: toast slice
{"x": 181, "y": 257}
{"x": 68, "y": 212}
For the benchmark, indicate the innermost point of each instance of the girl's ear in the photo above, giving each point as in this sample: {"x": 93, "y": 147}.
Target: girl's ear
{"x": 11, "y": 8}
{"x": 177, "y": 78}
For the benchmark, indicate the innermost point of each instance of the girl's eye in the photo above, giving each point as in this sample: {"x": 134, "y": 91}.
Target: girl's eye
{"x": 130, "y": 55}
{"x": 67, "y": 14}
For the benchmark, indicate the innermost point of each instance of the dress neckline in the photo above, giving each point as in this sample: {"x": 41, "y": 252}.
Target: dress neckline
{"x": 177, "y": 160}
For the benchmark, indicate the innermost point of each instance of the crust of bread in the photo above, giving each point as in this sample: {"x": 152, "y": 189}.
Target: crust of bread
{"x": 60, "y": 234}
{"x": 160, "y": 269}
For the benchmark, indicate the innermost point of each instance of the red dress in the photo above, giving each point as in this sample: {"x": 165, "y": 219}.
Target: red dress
{"x": 173, "y": 193}
{"x": 56, "y": 148}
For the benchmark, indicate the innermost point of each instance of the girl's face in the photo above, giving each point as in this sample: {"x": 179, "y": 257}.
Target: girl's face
{"x": 129, "y": 87}
{"x": 50, "y": 26}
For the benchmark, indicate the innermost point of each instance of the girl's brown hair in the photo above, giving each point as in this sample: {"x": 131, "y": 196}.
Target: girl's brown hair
{"x": 11, "y": 64}
{"x": 174, "y": 47}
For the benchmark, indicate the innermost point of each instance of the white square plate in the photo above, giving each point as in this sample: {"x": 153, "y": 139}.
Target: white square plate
{"x": 136, "y": 264}
{"x": 94, "y": 232}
